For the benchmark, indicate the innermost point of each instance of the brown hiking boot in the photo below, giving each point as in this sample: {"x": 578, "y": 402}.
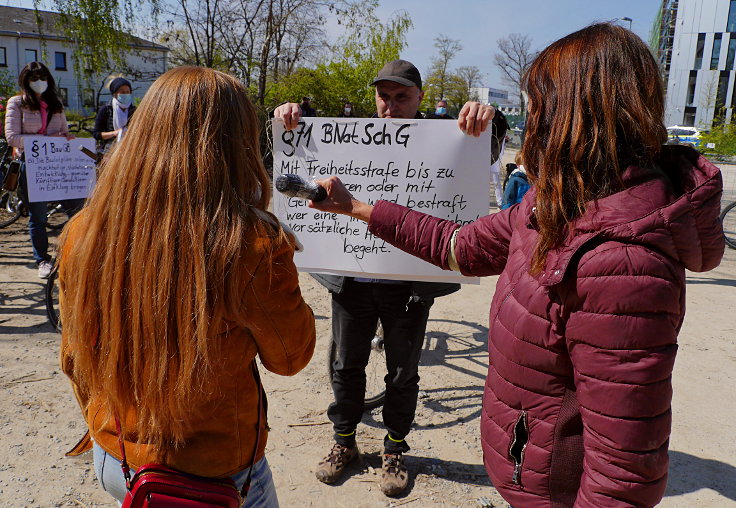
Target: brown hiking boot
{"x": 394, "y": 477}
{"x": 331, "y": 467}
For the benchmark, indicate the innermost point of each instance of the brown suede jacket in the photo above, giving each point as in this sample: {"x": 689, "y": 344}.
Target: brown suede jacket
{"x": 275, "y": 324}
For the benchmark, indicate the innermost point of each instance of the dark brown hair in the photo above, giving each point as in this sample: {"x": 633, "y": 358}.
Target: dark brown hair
{"x": 596, "y": 106}
{"x": 37, "y": 70}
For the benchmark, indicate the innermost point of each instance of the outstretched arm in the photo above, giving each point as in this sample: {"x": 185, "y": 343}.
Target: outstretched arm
{"x": 480, "y": 248}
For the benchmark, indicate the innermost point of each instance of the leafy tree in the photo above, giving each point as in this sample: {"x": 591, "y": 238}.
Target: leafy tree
{"x": 355, "y": 61}
{"x": 437, "y": 83}
{"x": 8, "y": 84}
{"x": 100, "y": 29}
{"x": 514, "y": 58}
{"x": 8, "y": 87}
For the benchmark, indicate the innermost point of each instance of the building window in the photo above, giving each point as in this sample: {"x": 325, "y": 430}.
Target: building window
{"x": 3, "y": 58}
{"x": 688, "y": 119}
{"x": 691, "y": 86}
{"x": 31, "y": 55}
{"x": 60, "y": 61}
{"x": 716, "y": 54}
{"x": 731, "y": 52}
{"x": 731, "y": 26}
{"x": 64, "y": 96}
{"x": 699, "y": 51}
{"x": 721, "y": 94}
{"x": 88, "y": 98}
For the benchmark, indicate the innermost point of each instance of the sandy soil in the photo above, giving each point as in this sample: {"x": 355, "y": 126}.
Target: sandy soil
{"x": 39, "y": 419}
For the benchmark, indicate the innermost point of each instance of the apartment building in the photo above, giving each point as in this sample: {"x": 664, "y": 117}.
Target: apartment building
{"x": 695, "y": 43}
{"x": 23, "y": 41}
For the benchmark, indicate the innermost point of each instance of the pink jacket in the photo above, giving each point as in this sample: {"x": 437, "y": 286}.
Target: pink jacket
{"x": 576, "y": 407}
{"x": 20, "y": 121}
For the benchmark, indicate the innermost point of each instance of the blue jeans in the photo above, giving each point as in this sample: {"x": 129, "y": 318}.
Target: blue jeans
{"x": 37, "y": 221}
{"x": 37, "y": 225}
{"x": 262, "y": 492}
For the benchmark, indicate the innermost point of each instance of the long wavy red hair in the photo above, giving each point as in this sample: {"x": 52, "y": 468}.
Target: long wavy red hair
{"x": 596, "y": 106}
{"x": 156, "y": 269}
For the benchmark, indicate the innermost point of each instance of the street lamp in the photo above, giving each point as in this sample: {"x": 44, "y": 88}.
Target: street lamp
{"x": 629, "y": 20}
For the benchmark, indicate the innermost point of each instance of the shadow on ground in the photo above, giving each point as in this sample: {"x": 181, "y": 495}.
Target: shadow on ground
{"x": 689, "y": 473}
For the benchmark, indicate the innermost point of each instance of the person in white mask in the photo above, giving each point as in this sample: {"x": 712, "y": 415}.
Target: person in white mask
{"x": 348, "y": 111}
{"x": 37, "y": 111}
{"x": 113, "y": 118}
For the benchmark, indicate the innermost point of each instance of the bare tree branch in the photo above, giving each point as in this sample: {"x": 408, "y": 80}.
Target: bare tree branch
{"x": 514, "y": 58}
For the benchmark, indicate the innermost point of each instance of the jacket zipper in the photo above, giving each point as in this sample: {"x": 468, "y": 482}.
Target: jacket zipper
{"x": 518, "y": 446}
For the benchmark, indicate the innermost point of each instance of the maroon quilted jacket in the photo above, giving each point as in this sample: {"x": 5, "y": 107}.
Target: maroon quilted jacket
{"x": 576, "y": 409}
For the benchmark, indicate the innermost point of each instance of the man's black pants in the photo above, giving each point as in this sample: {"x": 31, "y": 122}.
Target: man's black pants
{"x": 355, "y": 314}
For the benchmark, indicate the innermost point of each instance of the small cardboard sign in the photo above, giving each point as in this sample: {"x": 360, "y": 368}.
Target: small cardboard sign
{"x": 56, "y": 169}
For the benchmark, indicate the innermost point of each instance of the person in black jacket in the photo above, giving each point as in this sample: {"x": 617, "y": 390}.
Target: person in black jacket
{"x": 307, "y": 109}
{"x": 401, "y": 306}
{"x": 112, "y": 118}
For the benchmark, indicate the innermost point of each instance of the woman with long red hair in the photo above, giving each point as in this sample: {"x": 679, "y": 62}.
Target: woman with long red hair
{"x": 591, "y": 294}
{"x": 173, "y": 279}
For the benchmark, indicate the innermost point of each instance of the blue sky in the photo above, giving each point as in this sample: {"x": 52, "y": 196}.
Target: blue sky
{"x": 478, "y": 24}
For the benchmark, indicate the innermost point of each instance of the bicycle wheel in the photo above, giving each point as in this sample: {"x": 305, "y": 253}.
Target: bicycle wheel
{"x": 55, "y": 216}
{"x": 10, "y": 207}
{"x": 728, "y": 219}
{"x": 375, "y": 371}
{"x": 52, "y": 301}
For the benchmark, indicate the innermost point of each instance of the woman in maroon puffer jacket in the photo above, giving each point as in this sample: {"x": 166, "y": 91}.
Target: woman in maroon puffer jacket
{"x": 591, "y": 297}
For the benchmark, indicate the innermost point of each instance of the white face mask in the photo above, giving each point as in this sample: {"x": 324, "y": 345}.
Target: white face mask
{"x": 348, "y": 110}
{"x": 39, "y": 86}
{"x": 124, "y": 99}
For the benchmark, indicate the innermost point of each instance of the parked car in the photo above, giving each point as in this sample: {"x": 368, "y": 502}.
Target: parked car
{"x": 680, "y": 135}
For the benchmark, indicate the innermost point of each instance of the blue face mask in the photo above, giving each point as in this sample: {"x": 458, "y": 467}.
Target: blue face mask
{"x": 125, "y": 99}
{"x": 440, "y": 111}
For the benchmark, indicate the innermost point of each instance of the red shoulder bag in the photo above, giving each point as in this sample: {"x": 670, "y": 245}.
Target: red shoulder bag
{"x": 158, "y": 486}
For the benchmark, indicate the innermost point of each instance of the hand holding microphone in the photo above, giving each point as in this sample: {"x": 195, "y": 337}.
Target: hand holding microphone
{"x": 329, "y": 195}
{"x": 294, "y": 186}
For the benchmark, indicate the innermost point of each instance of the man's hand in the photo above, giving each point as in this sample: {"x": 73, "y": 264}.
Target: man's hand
{"x": 339, "y": 200}
{"x": 290, "y": 112}
{"x": 474, "y": 118}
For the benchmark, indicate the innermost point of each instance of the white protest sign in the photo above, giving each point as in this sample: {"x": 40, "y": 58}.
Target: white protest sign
{"x": 56, "y": 168}
{"x": 427, "y": 165}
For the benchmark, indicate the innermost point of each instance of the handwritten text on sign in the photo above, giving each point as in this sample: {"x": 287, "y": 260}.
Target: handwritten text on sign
{"x": 427, "y": 165}
{"x": 57, "y": 169}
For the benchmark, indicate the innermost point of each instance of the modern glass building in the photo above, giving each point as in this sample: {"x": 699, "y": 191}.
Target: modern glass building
{"x": 695, "y": 44}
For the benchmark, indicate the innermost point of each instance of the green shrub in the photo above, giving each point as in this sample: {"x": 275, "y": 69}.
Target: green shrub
{"x": 723, "y": 139}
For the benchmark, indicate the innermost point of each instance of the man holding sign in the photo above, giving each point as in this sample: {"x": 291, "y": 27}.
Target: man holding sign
{"x": 402, "y": 307}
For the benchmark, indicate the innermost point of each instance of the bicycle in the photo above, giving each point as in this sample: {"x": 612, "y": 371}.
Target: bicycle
{"x": 12, "y": 205}
{"x": 728, "y": 220}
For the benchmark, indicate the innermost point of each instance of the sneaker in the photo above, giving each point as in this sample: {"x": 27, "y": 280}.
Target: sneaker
{"x": 331, "y": 467}
{"x": 395, "y": 477}
{"x": 44, "y": 269}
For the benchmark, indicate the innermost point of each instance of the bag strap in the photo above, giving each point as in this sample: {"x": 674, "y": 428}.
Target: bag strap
{"x": 124, "y": 462}
{"x": 246, "y": 486}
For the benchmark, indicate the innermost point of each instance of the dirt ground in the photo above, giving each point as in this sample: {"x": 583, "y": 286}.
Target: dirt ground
{"x": 39, "y": 419}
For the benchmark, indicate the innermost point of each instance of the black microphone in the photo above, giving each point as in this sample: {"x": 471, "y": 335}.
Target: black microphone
{"x": 295, "y": 186}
